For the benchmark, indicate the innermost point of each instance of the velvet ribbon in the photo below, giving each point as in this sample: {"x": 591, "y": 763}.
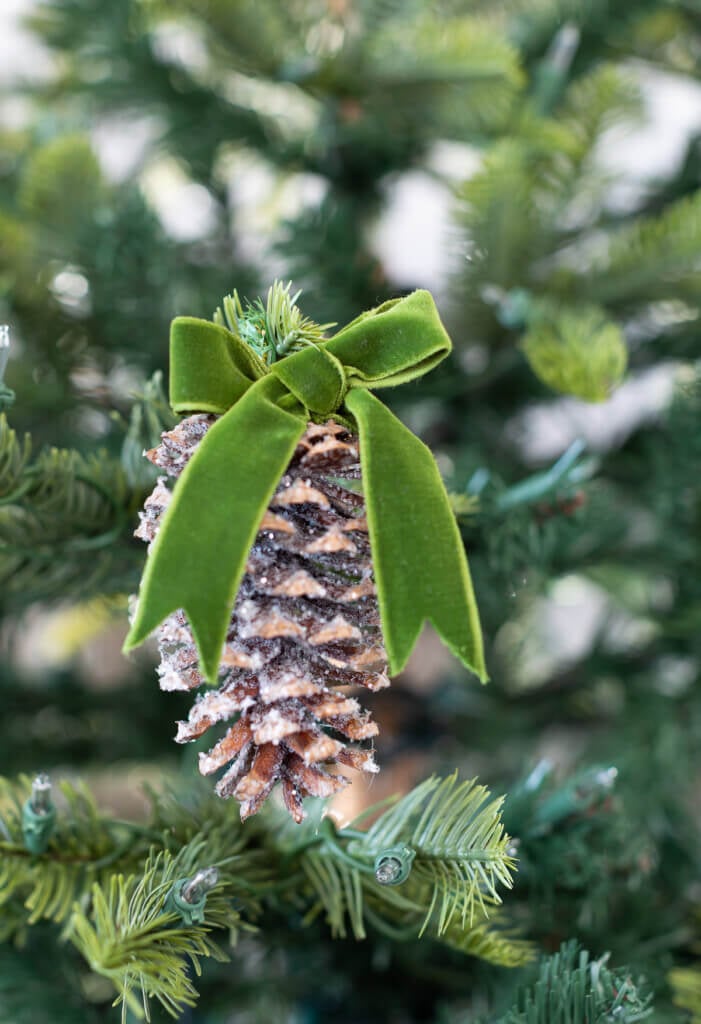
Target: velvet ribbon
{"x": 198, "y": 558}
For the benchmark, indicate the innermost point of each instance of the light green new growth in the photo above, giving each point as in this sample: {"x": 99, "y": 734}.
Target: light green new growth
{"x": 685, "y": 982}
{"x": 686, "y": 985}
{"x": 61, "y": 182}
{"x": 14, "y": 456}
{"x": 129, "y": 938}
{"x": 493, "y": 940}
{"x": 577, "y": 352}
{"x": 272, "y": 330}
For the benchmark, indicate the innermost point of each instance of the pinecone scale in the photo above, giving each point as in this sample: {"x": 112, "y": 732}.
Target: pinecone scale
{"x": 304, "y": 631}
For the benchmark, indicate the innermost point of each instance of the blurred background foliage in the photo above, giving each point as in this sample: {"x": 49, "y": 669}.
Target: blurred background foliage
{"x": 538, "y": 166}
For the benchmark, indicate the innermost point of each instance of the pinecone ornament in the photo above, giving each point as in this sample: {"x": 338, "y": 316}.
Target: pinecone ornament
{"x": 304, "y": 631}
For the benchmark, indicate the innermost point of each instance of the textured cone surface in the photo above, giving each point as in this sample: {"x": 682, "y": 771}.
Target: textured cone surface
{"x": 304, "y": 631}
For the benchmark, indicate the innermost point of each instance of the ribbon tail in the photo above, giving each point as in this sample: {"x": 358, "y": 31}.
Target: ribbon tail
{"x": 199, "y": 555}
{"x": 421, "y": 570}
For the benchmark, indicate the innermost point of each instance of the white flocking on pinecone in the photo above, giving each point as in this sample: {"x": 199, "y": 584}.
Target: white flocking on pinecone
{"x": 305, "y": 630}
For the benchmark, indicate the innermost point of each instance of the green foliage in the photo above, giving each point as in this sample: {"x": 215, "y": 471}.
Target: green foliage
{"x": 460, "y": 855}
{"x": 49, "y": 884}
{"x": 106, "y": 881}
{"x": 686, "y": 985}
{"x": 685, "y": 981}
{"x": 492, "y": 940}
{"x": 129, "y": 939}
{"x": 462, "y": 851}
{"x": 524, "y": 213}
{"x": 60, "y": 501}
{"x": 87, "y": 848}
{"x": 39, "y": 984}
{"x": 14, "y": 456}
{"x": 150, "y": 415}
{"x": 274, "y": 329}
{"x": 576, "y": 351}
{"x": 578, "y": 837}
{"x": 315, "y": 247}
{"x": 605, "y": 97}
{"x": 61, "y": 183}
{"x": 653, "y": 258}
{"x": 660, "y": 30}
{"x": 515, "y": 208}
{"x": 89, "y": 284}
{"x": 438, "y": 56}
{"x": 572, "y": 988}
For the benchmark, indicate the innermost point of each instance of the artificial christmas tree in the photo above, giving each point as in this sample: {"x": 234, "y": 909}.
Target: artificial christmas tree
{"x": 491, "y": 152}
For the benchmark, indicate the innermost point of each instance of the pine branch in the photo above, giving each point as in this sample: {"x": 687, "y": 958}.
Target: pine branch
{"x": 60, "y": 517}
{"x": 653, "y": 258}
{"x": 455, "y": 49}
{"x": 503, "y": 221}
{"x": 517, "y": 211}
{"x": 574, "y": 989}
{"x": 491, "y": 940}
{"x": 88, "y": 848}
{"x": 578, "y": 838}
{"x": 337, "y": 887}
{"x": 14, "y": 457}
{"x": 274, "y": 329}
{"x": 130, "y": 938}
{"x": 48, "y": 885}
{"x": 65, "y": 518}
{"x": 142, "y": 74}
{"x": 315, "y": 247}
{"x": 596, "y": 102}
{"x": 106, "y": 881}
{"x": 451, "y": 844}
{"x": 462, "y": 852}
{"x": 576, "y": 351}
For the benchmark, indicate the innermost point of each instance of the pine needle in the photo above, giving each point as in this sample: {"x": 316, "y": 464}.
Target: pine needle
{"x": 272, "y": 330}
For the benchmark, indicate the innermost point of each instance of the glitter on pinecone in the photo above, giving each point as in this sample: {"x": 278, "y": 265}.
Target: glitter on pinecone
{"x": 305, "y": 630}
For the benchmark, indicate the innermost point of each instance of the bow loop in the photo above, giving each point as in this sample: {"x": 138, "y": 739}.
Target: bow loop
{"x": 210, "y": 368}
{"x": 315, "y": 377}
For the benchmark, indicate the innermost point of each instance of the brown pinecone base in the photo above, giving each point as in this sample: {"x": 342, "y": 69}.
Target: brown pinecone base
{"x": 304, "y": 630}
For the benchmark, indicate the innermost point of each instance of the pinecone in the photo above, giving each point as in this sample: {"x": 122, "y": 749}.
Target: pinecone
{"x": 304, "y": 629}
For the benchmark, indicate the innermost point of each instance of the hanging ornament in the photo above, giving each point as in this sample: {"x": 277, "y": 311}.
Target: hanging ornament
{"x": 307, "y": 540}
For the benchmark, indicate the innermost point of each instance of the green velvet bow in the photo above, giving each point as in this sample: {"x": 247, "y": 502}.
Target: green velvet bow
{"x": 198, "y": 558}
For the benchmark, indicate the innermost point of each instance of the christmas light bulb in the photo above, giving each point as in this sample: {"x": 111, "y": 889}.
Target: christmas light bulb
{"x": 199, "y": 885}
{"x": 4, "y": 347}
{"x": 392, "y": 867}
{"x": 41, "y": 794}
